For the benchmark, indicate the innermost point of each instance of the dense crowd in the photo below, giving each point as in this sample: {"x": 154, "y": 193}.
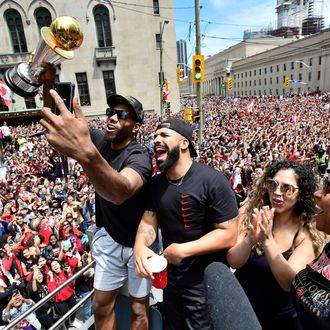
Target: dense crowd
{"x": 47, "y": 204}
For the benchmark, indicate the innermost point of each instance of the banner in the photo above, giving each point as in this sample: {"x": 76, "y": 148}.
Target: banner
{"x": 249, "y": 108}
{"x": 5, "y": 93}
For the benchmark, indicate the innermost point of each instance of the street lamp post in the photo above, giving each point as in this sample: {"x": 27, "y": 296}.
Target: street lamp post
{"x": 162, "y": 25}
{"x": 303, "y": 63}
{"x": 307, "y": 72}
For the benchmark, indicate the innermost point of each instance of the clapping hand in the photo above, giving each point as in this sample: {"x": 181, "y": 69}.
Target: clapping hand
{"x": 266, "y": 223}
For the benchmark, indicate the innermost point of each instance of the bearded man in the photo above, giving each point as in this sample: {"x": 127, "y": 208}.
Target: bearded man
{"x": 195, "y": 208}
{"x": 118, "y": 168}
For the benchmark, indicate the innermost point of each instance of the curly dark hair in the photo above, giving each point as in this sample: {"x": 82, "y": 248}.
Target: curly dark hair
{"x": 305, "y": 205}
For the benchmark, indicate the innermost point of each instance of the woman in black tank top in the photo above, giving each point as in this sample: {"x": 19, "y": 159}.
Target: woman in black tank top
{"x": 277, "y": 239}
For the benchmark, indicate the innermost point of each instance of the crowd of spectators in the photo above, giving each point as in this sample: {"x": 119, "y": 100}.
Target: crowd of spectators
{"x": 47, "y": 204}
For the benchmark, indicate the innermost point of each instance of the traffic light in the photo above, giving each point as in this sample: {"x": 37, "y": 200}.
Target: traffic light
{"x": 188, "y": 114}
{"x": 229, "y": 84}
{"x": 167, "y": 85}
{"x": 196, "y": 115}
{"x": 178, "y": 74}
{"x": 286, "y": 81}
{"x": 198, "y": 68}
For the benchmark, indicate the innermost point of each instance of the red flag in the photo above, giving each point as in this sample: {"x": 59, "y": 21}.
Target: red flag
{"x": 249, "y": 108}
{"x": 5, "y": 93}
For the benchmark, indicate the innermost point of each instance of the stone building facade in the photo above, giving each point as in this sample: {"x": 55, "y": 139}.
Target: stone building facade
{"x": 120, "y": 52}
{"x": 260, "y": 66}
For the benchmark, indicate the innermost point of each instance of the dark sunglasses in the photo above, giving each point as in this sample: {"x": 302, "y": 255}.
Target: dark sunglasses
{"x": 285, "y": 188}
{"x": 120, "y": 113}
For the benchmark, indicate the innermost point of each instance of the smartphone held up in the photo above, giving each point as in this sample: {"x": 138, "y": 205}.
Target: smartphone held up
{"x": 66, "y": 91}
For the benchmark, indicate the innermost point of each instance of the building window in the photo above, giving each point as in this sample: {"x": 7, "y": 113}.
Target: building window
{"x": 277, "y": 80}
{"x": 238, "y": 84}
{"x": 311, "y": 61}
{"x": 83, "y": 90}
{"x": 250, "y": 83}
{"x": 277, "y": 68}
{"x": 15, "y": 26}
{"x": 103, "y": 28}
{"x": 255, "y": 72}
{"x": 246, "y": 84}
{"x": 300, "y": 76}
{"x": 265, "y": 81}
{"x": 318, "y": 75}
{"x": 234, "y": 85}
{"x": 276, "y": 91}
{"x": 271, "y": 80}
{"x": 291, "y": 76}
{"x": 234, "y": 76}
{"x": 309, "y": 76}
{"x": 245, "y": 74}
{"x": 259, "y": 71}
{"x": 300, "y": 63}
{"x": 265, "y": 70}
{"x": 109, "y": 83}
{"x": 156, "y": 7}
{"x": 271, "y": 92}
{"x": 255, "y": 83}
{"x": 292, "y": 65}
{"x": 30, "y": 102}
{"x": 284, "y": 66}
{"x": 43, "y": 17}
{"x": 158, "y": 40}
{"x": 320, "y": 60}
{"x": 271, "y": 69}
{"x": 250, "y": 73}
{"x": 259, "y": 82}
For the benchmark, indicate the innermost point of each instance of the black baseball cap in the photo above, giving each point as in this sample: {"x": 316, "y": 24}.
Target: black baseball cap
{"x": 130, "y": 101}
{"x": 183, "y": 129}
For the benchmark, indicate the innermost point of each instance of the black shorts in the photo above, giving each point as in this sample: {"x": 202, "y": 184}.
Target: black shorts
{"x": 185, "y": 308}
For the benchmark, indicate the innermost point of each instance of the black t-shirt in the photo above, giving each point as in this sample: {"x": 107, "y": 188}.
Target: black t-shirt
{"x": 311, "y": 293}
{"x": 188, "y": 211}
{"x": 122, "y": 221}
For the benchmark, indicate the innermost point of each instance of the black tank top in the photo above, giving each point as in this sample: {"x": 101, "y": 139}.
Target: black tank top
{"x": 270, "y": 302}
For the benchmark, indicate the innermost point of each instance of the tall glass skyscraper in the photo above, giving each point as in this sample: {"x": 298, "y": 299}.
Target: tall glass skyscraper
{"x": 181, "y": 55}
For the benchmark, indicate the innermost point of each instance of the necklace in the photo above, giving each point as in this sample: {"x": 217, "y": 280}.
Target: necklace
{"x": 177, "y": 182}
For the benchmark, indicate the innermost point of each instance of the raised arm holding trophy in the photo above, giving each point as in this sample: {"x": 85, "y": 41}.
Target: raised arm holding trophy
{"x": 56, "y": 45}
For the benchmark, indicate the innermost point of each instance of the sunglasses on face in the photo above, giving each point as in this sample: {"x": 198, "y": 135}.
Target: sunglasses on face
{"x": 120, "y": 113}
{"x": 285, "y": 188}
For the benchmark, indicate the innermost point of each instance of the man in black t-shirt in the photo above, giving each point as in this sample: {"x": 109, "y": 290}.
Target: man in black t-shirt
{"x": 195, "y": 208}
{"x": 118, "y": 168}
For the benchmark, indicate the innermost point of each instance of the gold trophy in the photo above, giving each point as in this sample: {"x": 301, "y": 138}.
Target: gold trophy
{"x": 57, "y": 44}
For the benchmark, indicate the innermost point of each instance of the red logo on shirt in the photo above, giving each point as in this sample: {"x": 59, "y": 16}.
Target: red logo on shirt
{"x": 187, "y": 222}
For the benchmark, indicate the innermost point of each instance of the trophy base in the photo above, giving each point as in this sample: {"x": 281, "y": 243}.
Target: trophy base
{"x": 18, "y": 81}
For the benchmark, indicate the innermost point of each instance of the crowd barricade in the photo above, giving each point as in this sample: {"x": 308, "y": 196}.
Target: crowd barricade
{"x": 50, "y": 296}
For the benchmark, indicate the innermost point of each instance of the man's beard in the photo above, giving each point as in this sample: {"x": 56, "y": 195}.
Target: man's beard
{"x": 118, "y": 138}
{"x": 172, "y": 156}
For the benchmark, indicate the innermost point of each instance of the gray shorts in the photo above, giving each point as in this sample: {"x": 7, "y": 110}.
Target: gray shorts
{"x": 115, "y": 265}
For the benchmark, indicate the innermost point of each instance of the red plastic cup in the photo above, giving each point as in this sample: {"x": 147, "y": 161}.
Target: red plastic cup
{"x": 158, "y": 266}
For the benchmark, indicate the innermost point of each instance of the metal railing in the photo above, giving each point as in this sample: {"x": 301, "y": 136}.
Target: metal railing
{"x": 51, "y": 295}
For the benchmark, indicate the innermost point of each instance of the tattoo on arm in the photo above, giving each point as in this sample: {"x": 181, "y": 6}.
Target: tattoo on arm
{"x": 147, "y": 233}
